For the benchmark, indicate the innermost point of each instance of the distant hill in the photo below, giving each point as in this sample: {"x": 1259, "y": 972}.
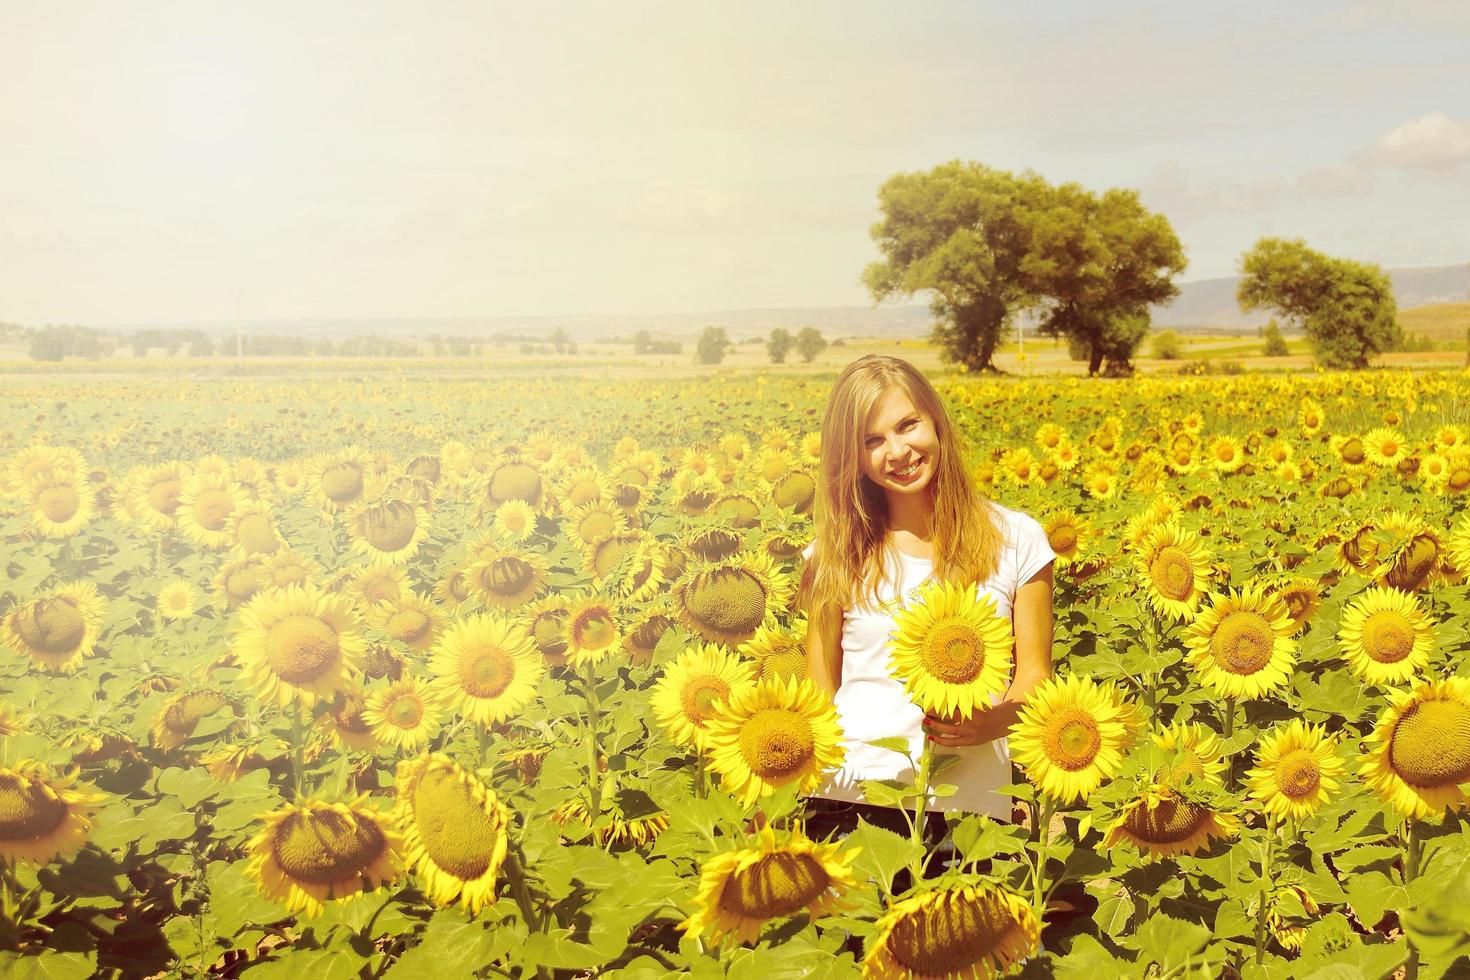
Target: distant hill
{"x": 1208, "y": 304}
{"x": 1440, "y": 322}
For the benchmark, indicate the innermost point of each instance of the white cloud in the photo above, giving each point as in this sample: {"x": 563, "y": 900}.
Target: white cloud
{"x": 1174, "y": 192}
{"x": 1434, "y": 143}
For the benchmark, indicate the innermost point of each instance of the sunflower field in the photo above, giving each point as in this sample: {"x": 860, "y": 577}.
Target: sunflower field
{"x": 402, "y": 673}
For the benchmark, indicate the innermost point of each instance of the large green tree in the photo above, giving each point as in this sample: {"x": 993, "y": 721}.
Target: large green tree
{"x": 959, "y": 232}
{"x": 1346, "y": 308}
{"x": 1098, "y": 262}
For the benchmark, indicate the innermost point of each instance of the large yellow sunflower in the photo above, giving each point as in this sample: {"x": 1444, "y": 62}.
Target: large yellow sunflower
{"x": 1384, "y": 446}
{"x": 60, "y": 507}
{"x": 1386, "y": 637}
{"x": 1419, "y": 752}
{"x": 176, "y": 600}
{"x": 206, "y": 504}
{"x": 1408, "y": 552}
{"x": 780, "y": 876}
{"x": 368, "y": 585}
{"x": 685, "y": 697}
{"x": 410, "y": 619}
{"x": 310, "y": 852}
{"x": 1175, "y": 570}
{"x": 778, "y": 651}
{"x": 1296, "y": 771}
{"x": 1070, "y": 736}
{"x": 454, "y": 830}
{"x": 964, "y": 932}
{"x": 726, "y": 602}
{"x": 340, "y": 481}
{"x": 773, "y": 734}
{"x": 389, "y": 530}
{"x": 151, "y": 494}
{"x": 59, "y": 629}
{"x": 1457, "y": 548}
{"x": 405, "y": 714}
{"x": 181, "y": 714}
{"x": 1162, "y": 822}
{"x": 42, "y": 817}
{"x": 298, "y": 644}
{"x": 593, "y": 630}
{"x": 951, "y": 649}
{"x": 1241, "y": 647}
{"x": 1068, "y": 535}
{"x": 507, "y": 579}
{"x": 546, "y": 622}
{"x": 487, "y": 668}
{"x": 252, "y": 530}
{"x": 1198, "y": 746}
{"x": 1301, "y": 596}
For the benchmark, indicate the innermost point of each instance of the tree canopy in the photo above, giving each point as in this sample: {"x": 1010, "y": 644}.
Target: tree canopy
{"x": 780, "y": 345}
{"x": 810, "y": 343}
{"x": 712, "y": 344}
{"x": 987, "y": 244}
{"x": 1347, "y": 308}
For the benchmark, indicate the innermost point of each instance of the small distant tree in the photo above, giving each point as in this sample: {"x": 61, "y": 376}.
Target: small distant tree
{"x": 810, "y": 343}
{"x": 1346, "y": 308}
{"x": 1275, "y": 345}
{"x": 713, "y": 343}
{"x": 642, "y": 342}
{"x": 559, "y": 339}
{"x": 201, "y": 346}
{"x": 1166, "y": 345}
{"x": 50, "y": 344}
{"x": 780, "y": 345}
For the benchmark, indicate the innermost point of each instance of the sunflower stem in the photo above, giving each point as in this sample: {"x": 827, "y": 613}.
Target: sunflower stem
{"x": 298, "y": 752}
{"x": 1267, "y": 858}
{"x": 515, "y": 871}
{"x": 701, "y": 782}
{"x": 1414, "y": 847}
{"x": 1043, "y": 837}
{"x": 926, "y": 766}
{"x": 594, "y": 782}
{"x": 1228, "y": 709}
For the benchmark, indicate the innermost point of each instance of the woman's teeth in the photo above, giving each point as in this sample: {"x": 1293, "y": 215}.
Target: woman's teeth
{"x": 909, "y": 470}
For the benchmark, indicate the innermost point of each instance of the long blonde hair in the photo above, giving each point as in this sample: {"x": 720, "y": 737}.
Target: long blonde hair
{"x": 851, "y": 513}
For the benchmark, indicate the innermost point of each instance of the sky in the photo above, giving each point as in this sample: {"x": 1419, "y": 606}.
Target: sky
{"x": 191, "y": 162}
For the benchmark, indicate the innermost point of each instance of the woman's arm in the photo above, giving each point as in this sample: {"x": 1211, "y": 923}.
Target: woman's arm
{"x": 1031, "y": 616}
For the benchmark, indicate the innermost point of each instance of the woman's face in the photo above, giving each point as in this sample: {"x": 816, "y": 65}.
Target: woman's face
{"x": 900, "y": 449}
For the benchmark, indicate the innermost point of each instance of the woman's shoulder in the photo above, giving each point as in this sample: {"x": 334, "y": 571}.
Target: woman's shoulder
{"x": 1014, "y": 524}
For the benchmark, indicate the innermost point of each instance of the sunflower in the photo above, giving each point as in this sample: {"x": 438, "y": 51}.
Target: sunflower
{"x": 486, "y": 668}
{"x": 410, "y": 619}
{"x": 1310, "y": 418}
{"x": 778, "y": 651}
{"x": 181, "y": 715}
{"x": 546, "y": 621}
{"x": 1175, "y": 571}
{"x": 592, "y": 631}
{"x": 645, "y": 632}
{"x": 1301, "y": 596}
{"x": 1162, "y": 822}
{"x": 298, "y": 644}
{"x": 1225, "y": 454}
{"x": 739, "y": 510}
{"x": 285, "y": 567}
{"x": 368, "y": 585}
{"x": 628, "y": 817}
{"x": 406, "y": 714}
{"x": 1384, "y": 447}
{"x": 951, "y": 649}
{"x": 151, "y": 495}
{"x": 594, "y": 521}
{"x": 454, "y": 830}
{"x": 59, "y": 629}
{"x": 686, "y": 695}
{"x": 1068, "y": 535}
{"x": 1296, "y": 771}
{"x": 43, "y": 817}
{"x": 290, "y": 478}
{"x": 507, "y": 579}
{"x": 1457, "y": 472}
{"x": 773, "y": 734}
{"x": 1198, "y": 747}
{"x": 237, "y": 582}
{"x": 582, "y": 486}
{"x": 514, "y": 520}
{"x": 1457, "y": 548}
{"x": 511, "y": 479}
{"x": 339, "y": 481}
{"x": 1350, "y": 450}
{"x": 206, "y": 504}
{"x": 780, "y": 876}
{"x": 1070, "y": 736}
{"x": 1419, "y": 755}
{"x": 310, "y": 852}
{"x": 252, "y": 531}
{"x": 1408, "y": 552}
{"x": 39, "y": 463}
{"x": 964, "y": 931}
{"x": 1242, "y": 646}
{"x": 726, "y": 602}
{"x": 60, "y": 507}
{"x": 176, "y": 600}
{"x": 713, "y": 540}
{"x": 1386, "y": 637}
{"x": 632, "y": 566}
{"x": 694, "y": 493}
{"x": 389, "y": 530}
{"x": 344, "y": 722}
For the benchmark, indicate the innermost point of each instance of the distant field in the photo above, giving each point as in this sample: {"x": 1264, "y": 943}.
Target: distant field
{"x": 1441, "y": 322}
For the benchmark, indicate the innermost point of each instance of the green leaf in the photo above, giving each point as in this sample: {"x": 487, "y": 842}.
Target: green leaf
{"x": 118, "y": 827}
{"x": 557, "y": 952}
{"x": 1357, "y": 858}
{"x": 48, "y": 966}
{"x": 1371, "y": 893}
{"x": 1442, "y": 927}
{"x": 980, "y": 838}
{"x": 318, "y": 964}
{"x": 452, "y": 946}
{"x": 188, "y": 786}
{"x": 883, "y": 792}
{"x": 884, "y": 852}
{"x": 1173, "y": 944}
{"x": 1088, "y": 959}
{"x": 895, "y": 743}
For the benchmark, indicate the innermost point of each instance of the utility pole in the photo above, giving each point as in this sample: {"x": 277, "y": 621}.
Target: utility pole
{"x": 239, "y": 338}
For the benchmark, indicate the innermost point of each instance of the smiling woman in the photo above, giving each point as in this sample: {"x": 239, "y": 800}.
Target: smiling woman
{"x": 896, "y": 508}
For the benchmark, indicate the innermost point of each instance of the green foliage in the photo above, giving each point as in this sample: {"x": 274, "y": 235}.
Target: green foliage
{"x": 810, "y": 343}
{"x": 1166, "y": 345}
{"x": 713, "y": 343}
{"x": 1346, "y": 308}
{"x": 780, "y": 345}
{"x": 1275, "y": 345}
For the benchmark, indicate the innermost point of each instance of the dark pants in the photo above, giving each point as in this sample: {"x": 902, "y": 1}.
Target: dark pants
{"x": 826, "y": 819}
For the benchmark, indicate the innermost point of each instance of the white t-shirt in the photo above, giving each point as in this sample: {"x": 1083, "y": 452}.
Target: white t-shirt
{"x": 872, "y": 703}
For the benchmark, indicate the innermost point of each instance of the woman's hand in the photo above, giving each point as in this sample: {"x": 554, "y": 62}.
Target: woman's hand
{"x": 985, "y": 725}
